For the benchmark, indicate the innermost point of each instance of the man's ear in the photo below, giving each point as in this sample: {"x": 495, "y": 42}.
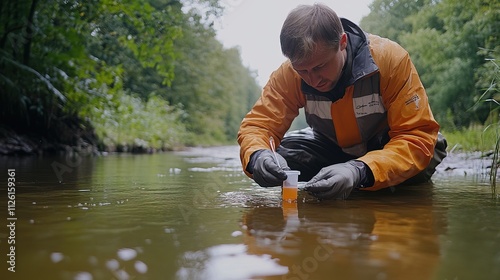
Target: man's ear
{"x": 343, "y": 42}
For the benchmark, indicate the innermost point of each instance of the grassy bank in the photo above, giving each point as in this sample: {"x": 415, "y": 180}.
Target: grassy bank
{"x": 475, "y": 138}
{"x": 478, "y": 138}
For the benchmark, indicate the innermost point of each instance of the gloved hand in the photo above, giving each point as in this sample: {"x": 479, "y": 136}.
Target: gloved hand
{"x": 266, "y": 172}
{"x": 336, "y": 181}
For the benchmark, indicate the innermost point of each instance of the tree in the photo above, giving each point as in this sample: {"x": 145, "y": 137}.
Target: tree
{"x": 105, "y": 64}
{"x": 447, "y": 41}
{"x": 387, "y": 18}
{"x": 215, "y": 90}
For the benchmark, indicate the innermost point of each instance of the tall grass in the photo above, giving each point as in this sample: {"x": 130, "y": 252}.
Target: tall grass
{"x": 494, "y": 169}
{"x": 473, "y": 139}
{"x": 483, "y": 138}
{"x": 492, "y": 95}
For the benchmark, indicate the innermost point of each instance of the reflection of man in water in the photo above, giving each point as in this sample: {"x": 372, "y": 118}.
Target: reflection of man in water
{"x": 364, "y": 239}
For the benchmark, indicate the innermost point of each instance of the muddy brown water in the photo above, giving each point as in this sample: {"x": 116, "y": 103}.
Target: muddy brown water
{"x": 195, "y": 215}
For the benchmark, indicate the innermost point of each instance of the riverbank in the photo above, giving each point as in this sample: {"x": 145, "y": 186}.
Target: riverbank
{"x": 74, "y": 138}
{"x": 85, "y": 143}
{"x": 15, "y": 144}
{"x": 68, "y": 139}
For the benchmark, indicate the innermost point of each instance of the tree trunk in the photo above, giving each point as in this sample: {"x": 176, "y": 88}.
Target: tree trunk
{"x": 28, "y": 36}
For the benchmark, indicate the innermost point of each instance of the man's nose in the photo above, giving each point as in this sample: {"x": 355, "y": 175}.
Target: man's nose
{"x": 314, "y": 79}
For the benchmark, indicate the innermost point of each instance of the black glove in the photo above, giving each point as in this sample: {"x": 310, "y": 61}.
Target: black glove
{"x": 337, "y": 181}
{"x": 265, "y": 171}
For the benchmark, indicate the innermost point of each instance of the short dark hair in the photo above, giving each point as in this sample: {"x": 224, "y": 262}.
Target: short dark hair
{"x": 307, "y": 25}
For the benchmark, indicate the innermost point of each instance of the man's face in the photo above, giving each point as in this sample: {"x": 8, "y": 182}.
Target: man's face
{"x": 324, "y": 68}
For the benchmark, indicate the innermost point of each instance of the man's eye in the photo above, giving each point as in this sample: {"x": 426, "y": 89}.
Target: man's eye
{"x": 319, "y": 67}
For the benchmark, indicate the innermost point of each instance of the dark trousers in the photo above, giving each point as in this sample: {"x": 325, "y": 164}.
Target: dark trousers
{"x": 308, "y": 152}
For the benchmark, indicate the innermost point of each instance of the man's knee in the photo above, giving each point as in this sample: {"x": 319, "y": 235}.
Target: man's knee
{"x": 309, "y": 152}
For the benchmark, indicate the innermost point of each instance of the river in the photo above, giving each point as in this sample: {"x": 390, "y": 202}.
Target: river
{"x": 195, "y": 215}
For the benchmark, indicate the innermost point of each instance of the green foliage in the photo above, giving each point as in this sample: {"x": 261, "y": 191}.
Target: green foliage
{"x": 215, "y": 90}
{"x": 473, "y": 138}
{"x": 139, "y": 37}
{"x": 127, "y": 121}
{"x": 146, "y": 74}
{"x": 447, "y": 40}
{"x": 388, "y": 18}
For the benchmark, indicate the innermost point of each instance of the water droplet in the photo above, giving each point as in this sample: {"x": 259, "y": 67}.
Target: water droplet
{"x": 122, "y": 274}
{"x": 141, "y": 267}
{"x": 112, "y": 264}
{"x": 127, "y": 254}
{"x": 84, "y": 276}
{"x": 56, "y": 257}
{"x": 236, "y": 233}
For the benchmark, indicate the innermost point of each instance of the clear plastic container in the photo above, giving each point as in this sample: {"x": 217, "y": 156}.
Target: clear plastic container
{"x": 290, "y": 186}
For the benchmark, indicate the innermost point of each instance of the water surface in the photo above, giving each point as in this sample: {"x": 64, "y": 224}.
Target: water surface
{"x": 195, "y": 215}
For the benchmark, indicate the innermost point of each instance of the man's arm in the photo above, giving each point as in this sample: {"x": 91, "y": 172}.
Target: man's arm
{"x": 272, "y": 114}
{"x": 413, "y": 129}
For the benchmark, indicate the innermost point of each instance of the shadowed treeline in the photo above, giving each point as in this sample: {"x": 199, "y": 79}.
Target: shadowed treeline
{"x": 132, "y": 75}
{"x": 119, "y": 75}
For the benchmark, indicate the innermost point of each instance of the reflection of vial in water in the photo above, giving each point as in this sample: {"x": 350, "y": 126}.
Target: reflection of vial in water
{"x": 289, "y": 194}
{"x": 290, "y": 211}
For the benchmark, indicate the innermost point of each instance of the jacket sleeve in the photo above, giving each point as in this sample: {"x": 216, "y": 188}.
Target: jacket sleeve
{"x": 413, "y": 129}
{"x": 272, "y": 114}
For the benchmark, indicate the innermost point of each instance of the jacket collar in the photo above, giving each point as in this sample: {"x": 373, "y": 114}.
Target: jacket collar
{"x": 359, "y": 63}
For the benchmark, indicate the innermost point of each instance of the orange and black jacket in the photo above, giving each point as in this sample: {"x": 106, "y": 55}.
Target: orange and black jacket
{"x": 378, "y": 95}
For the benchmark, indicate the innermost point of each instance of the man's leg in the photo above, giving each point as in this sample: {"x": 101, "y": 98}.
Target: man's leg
{"x": 308, "y": 152}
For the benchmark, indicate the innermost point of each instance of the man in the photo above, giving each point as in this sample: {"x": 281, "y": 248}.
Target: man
{"x": 371, "y": 126}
